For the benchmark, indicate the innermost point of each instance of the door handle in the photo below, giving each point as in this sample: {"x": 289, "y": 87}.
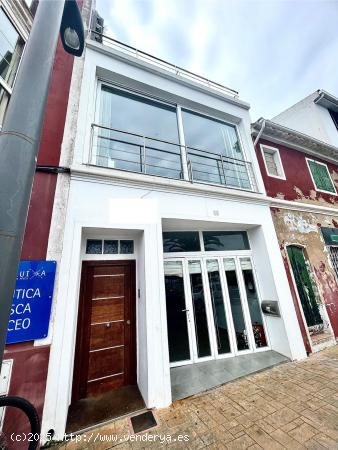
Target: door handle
{"x": 128, "y": 322}
{"x": 185, "y": 310}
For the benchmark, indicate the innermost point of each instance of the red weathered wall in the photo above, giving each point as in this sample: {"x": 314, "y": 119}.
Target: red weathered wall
{"x": 298, "y": 184}
{"x": 29, "y": 372}
{"x": 290, "y": 224}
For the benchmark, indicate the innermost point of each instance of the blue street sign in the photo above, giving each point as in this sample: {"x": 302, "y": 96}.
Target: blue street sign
{"x": 32, "y": 301}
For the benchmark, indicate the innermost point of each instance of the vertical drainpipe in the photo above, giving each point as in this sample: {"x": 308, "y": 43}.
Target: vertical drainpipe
{"x": 260, "y": 132}
{"x": 182, "y": 143}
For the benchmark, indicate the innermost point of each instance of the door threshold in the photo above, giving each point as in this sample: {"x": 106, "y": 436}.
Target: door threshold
{"x": 105, "y": 422}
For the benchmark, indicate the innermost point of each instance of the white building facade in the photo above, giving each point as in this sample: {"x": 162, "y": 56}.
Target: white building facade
{"x": 163, "y": 234}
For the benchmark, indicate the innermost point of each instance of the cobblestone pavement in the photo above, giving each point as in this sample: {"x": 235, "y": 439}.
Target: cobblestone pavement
{"x": 293, "y": 406}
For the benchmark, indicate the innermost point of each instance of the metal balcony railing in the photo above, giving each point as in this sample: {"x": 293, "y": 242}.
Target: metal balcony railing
{"x": 160, "y": 63}
{"x": 122, "y": 150}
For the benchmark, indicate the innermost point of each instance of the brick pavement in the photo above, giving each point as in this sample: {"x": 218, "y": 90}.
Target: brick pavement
{"x": 293, "y": 406}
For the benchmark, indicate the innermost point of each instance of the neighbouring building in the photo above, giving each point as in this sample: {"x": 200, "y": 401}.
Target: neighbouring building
{"x": 162, "y": 234}
{"x": 316, "y": 115}
{"x": 15, "y": 24}
{"x": 300, "y": 174}
{"x": 25, "y": 366}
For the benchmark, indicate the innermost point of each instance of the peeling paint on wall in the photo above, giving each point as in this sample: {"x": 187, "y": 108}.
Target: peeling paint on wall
{"x": 295, "y": 222}
{"x": 301, "y": 228}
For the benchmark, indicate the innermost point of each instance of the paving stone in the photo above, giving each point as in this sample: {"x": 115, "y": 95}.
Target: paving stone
{"x": 303, "y": 432}
{"x": 263, "y": 439}
{"x": 293, "y": 406}
{"x": 282, "y": 417}
{"x": 286, "y": 440}
{"x": 241, "y": 443}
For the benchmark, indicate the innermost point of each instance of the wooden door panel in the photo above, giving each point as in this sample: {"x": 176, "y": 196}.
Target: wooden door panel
{"x": 102, "y": 336}
{"x": 100, "y": 386}
{"x": 106, "y": 335}
{"x": 106, "y": 362}
{"x": 107, "y": 310}
{"x": 108, "y": 286}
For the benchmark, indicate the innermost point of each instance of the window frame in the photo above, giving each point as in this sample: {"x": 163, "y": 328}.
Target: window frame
{"x": 328, "y": 173}
{"x": 276, "y": 152}
{"x": 177, "y": 105}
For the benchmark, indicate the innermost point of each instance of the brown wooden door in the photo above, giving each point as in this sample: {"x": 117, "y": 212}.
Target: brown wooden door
{"x": 105, "y": 356}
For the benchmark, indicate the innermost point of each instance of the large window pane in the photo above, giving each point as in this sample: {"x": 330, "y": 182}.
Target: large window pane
{"x": 225, "y": 240}
{"x": 236, "y": 304}
{"x": 181, "y": 241}
{"x": 200, "y": 314}
{"x": 254, "y": 304}
{"x": 11, "y": 46}
{"x": 224, "y": 163}
{"x": 151, "y": 120}
{"x": 176, "y": 315}
{"x": 221, "y": 327}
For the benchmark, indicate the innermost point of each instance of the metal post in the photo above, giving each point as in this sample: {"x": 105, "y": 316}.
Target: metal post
{"x": 19, "y": 144}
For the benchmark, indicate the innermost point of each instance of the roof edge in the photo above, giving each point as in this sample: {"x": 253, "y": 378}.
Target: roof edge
{"x": 294, "y": 139}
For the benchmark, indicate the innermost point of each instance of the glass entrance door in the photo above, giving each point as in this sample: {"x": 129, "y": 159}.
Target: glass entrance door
{"x": 213, "y": 308}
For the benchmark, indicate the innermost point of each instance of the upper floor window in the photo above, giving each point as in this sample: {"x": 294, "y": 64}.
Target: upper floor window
{"x": 321, "y": 176}
{"x": 137, "y": 134}
{"x": 272, "y": 161}
{"x": 215, "y": 151}
{"x": 11, "y": 46}
{"x": 140, "y": 134}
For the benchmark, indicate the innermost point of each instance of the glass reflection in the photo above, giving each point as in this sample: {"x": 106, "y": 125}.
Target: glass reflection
{"x": 236, "y": 304}
{"x": 215, "y": 151}
{"x": 200, "y": 315}
{"x": 11, "y": 46}
{"x": 178, "y": 337}
{"x": 221, "y": 327}
{"x": 142, "y": 116}
{"x": 254, "y": 304}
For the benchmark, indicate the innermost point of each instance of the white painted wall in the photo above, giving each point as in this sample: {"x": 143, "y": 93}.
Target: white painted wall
{"x": 311, "y": 119}
{"x": 112, "y": 207}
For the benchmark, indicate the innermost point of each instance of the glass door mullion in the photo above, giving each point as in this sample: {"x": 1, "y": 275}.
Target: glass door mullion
{"x": 245, "y": 305}
{"x": 226, "y": 298}
{"x": 190, "y": 312}
{"x": 257, "y": 322}
{"x": 210, "y": 312}
{"x": 219, "y": 313}
{"x": 199, "y": 316}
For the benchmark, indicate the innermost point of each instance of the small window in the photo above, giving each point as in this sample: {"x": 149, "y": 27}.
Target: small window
{"x": 181, "y": 241}
{"x": 272, "y": 162}
{"x": 126, "y": 247}
{"x": 225, "y": 240}
{"x": 94, "y": 247}
{"x": 321, "y": 177}
{"x": 109, "y": 247}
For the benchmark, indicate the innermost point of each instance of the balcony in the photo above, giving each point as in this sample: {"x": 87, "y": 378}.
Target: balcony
{"x": 118, "y": 149}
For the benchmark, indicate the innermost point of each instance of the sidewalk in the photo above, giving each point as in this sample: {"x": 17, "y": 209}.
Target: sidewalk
{"x": 293, "y": 406}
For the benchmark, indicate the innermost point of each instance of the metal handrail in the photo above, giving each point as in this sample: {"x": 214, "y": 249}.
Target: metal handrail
{"x": 218, "y": 155}
{"x": 231, "y": 172}
{"x": 165, "y": 64}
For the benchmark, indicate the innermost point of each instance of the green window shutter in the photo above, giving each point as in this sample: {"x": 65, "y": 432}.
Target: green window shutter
{"x": 321, "y": 177}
